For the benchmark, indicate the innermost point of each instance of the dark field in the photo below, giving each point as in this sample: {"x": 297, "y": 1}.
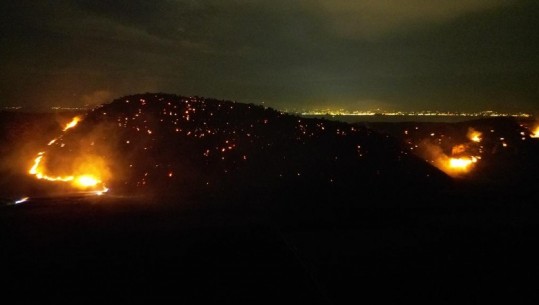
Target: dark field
{"x": 133, "y": 251}
{"x": 472, "y": 241}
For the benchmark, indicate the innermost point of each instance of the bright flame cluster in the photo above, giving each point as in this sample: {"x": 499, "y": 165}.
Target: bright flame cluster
{"x": 72, "y": 124}
{"x": 462, "y": 158}
{"x": 462, "y": 163}
{"x": 83, "y": 181}
{"x": 474, "y": 135}
{"x": 535, "y": 133}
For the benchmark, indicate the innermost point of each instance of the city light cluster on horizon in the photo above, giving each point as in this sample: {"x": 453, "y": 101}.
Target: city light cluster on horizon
{"x": 52, "y": 108}
{"x": 340, "y": 112}
{"x": 343, "y": 112}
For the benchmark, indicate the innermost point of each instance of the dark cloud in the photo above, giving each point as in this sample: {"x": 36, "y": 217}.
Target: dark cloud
{"x": 372, "y": 19}
{"x": 357, "y": 54}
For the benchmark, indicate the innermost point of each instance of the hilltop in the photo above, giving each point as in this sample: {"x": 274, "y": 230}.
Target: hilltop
{"x": 170, "y": 145}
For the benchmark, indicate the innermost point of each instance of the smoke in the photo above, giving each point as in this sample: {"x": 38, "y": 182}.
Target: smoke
{"x": 22, "y": 136}
{"x": 84, "y": 153}
{"x": 97, "y": 98}
{"x": 432, "y": 153}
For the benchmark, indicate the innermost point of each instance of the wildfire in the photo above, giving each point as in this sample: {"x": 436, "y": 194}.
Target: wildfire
{"x": 535, "y": 133}
{"x": 72, "y": 124}
{"x": 86, "y": 181}
{"x": 460, "y": 160}
{"x": 462, "y": 163}
{"x": 37, "y": 171}
{"x": 474, "y": 135}
{"x": 86, "y": 177}
{"x": 456, "y": 166}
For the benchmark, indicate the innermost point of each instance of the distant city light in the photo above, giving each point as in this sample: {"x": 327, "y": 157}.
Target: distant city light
{"x": 319, "y": 112}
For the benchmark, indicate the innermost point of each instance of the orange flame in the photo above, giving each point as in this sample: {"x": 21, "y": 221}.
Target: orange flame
{"x": 458, "y": 149}
{"x": 535, "y": 133}
{"x": 462, "y": 163}
{"x": 83, "y": 181}
{"x": 456, "y": 166}
{"x": 460, "y": 160}
{"x": 72, "y": 124}
{"x": 474, "y": 135}
{"x": 37, "y": 171}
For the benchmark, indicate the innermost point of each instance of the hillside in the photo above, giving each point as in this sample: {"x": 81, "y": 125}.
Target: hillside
{"x": 170, "y": 145}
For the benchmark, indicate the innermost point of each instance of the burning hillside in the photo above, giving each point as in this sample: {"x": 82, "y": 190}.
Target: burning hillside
{"x": 460, "y": 160}
{"x": 500, "y": 149}
{"x": 80, "y": 169}
{"x": 157, "y": 142}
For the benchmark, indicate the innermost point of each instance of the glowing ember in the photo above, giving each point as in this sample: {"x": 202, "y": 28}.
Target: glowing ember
{"x": 86, "y": 176}
{"x": 535, "y": 133}
{"x": 474, "y": 135}
{"x": 72, "y": 124}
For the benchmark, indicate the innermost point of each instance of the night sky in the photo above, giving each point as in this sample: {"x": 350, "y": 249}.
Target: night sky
{"x": 465, "y": 55}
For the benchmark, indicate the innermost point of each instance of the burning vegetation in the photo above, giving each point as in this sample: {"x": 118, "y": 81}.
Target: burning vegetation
{"x": 455, "y": 159}
{"x": 483, "y": 149}
{"x": 463, "y": 156}
{"x": 535, "y": 132}
{"x": 474, "y": 135}
{"x": 84, "y": 172}
{"x": 170, "y": 144}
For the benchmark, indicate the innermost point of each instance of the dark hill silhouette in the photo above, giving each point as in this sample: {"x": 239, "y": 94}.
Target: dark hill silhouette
{"x": 181, "y": 146}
